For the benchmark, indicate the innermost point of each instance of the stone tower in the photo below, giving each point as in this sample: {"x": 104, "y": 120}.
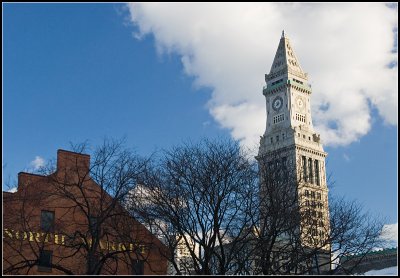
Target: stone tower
{"x": 290, "y": 135}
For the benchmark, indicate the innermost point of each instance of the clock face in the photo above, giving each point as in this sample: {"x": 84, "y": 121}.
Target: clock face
{"x": 277, "y": 103}
{"x": 299, "y": 103}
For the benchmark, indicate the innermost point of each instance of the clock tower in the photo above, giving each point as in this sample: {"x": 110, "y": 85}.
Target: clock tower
{"x": 290, "y": 137}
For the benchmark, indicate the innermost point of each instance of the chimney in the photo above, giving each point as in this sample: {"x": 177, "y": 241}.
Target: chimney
{"x": 71, "y": 163}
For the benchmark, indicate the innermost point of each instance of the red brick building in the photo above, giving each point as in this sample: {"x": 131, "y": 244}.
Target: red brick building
{"x": 65, "y": 223}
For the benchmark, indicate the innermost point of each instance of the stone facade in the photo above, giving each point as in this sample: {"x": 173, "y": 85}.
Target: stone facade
{"x": 290, "y": 134}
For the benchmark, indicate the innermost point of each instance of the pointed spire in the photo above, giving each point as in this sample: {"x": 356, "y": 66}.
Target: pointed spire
{"x": 286, "y": 60}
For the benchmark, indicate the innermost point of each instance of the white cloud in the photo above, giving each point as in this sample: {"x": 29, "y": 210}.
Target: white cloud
{"x": 12, "y": 190}
{"x": 37, "y": 163}
{"x": 345, "y": 47}
{"x": 390, "y": 233}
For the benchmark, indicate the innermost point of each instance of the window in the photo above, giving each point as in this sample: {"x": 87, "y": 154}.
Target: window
{"x": 276, "y": 82}
{"x": 314, "y": 222}
{"x": 298, "y": 81}
{"x": 277, "y": 138}
{"x": 300, "y": 118}
{"x": 138, "y": 267}
{"x": 306, "y": 193}
{"x": 313, "y": 194}
{"x": 47, "y": 221}
{"x": 310, "y": 170}
{"x": 279, "y": 118}
{"x": 314, "y": 232}
{"x": 319, "y": 196}
{"x": 316, "y": 164}
{"x": 272, "y": 140}
{"x": 283, "y": 136}
{"x": 304, "y": 159}
{"x": 44, "y": 263}
{"x": 93, "y": 226}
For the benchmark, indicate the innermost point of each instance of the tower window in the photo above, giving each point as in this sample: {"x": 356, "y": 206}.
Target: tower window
{"x": 316, "y": 164}
{"x": 277, "y": 138}
{"x": 304, "y": 160}
{"x": 276, "y": 82}
{"x": 298, "y": 81}
{"x": 278, "y": 118}
{"x": 310, "y": 169}
{"x": 300, "y": 118}
{"x": 314, "y": 232}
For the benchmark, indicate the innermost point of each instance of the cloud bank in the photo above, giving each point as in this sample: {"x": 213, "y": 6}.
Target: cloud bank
{"x": 37, "y": 163}
{"x": 348, "y": 49}
{"x": 390, "y": 234}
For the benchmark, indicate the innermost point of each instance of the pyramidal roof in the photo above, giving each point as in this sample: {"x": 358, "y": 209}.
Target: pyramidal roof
{"x": 285, "y": 60}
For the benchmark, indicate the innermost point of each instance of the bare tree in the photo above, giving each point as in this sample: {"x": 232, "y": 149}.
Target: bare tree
{"x": 91, "y": 227}
{"x": 210, "y": 201}
{"x": 200, "y": 195}
{"x": 293, "y": 236}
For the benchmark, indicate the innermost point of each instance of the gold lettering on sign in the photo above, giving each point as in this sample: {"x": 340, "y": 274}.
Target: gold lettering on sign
{"x": 112, "y": 246}
{"x": 37, "y": 237}
{"x": 30, "y": 236}
{"x": 8, "y": 233}
{"x": 46, "y": 237}
{"x": 59, "y": 239}
{"x": 102, "y": 245}
{"x": 87, "y": 241}
{"x": 121, "y": 247}
{"x": 24, "y": 235}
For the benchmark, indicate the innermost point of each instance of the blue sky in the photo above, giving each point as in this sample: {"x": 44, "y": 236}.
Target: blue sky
{"x": 76, "y": 72}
